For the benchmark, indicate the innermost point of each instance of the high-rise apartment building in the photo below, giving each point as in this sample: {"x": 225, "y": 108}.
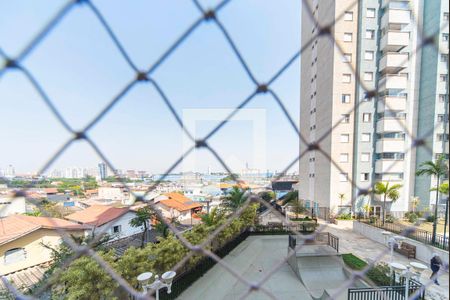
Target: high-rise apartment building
{"x": 102, "y": 170}
{"x": 365, "y": 138}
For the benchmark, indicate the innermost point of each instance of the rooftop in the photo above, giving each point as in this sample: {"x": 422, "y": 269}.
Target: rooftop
{"x": 179, "y": 202}
{"x": 97, "y": 214}
{"x": 16, "y": 226}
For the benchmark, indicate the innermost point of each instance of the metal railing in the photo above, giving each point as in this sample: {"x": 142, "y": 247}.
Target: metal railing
{"x": 388, "y": 292}
{"x": 419, "y": 235}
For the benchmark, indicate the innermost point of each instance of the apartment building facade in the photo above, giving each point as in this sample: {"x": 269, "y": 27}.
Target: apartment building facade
{"x": 366, "y": 137}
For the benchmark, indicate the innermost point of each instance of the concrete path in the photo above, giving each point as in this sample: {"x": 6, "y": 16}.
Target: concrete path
{"x": 351, "y": 242}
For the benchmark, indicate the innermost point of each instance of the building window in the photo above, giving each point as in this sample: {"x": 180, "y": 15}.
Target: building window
{"x": 346, "y": 78}
{"x": 345, "y": 138}
{"x": 345, "y": 98}
{"x": 15, "y": 255}
{"x": 443, "y": 77}
{"x": 364, "y": 177}
{"x": 343, "y": 157}
{"x": 348, "y": 36}
{"x": 365, "y": 137}
{"x": 446, "y": 16}
{"x": 441, "y": 118}
{"x": 368, "y": 76}
{"x": 365, "y": 157}
{"x": 345, "y": 118}
{"x": 370, "y": 13}
{"x": 443, "y": 97}
{"x": 117, "y": 229}
{"x": 368, "y": 55}
{"x": 444, "y": 58}
{"x": 343, "y": 177}
{"x": 442, "y": 137}
{"x": 445, "y": 37}
{"x": 370, "y": 34}
{"x": 347, "y": 58}
{"x": 367, "y": 117}
{"x": 348, "y": 16}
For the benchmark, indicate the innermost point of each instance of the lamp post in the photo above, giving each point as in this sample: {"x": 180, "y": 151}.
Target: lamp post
{"x": 165, "y": 282}
{"x": 407, "y": 275}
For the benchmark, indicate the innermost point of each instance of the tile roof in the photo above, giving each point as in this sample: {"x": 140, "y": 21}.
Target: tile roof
{"x": 26, "y": 278}
{"x": 16, "y": 226}
{"x": 97, "y": 214}
{"x": 51, "y": 190}
{"x": 179, "y": 202}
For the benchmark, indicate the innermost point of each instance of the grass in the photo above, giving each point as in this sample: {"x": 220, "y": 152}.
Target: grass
{"x": 353, "y": 262}
{"x": 377, "y": 274}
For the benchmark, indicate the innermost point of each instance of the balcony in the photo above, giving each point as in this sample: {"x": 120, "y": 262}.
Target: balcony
{"x": 395, "y": 82}
{"x": 393, "y": 62}
{"x": 390, "y": 125}
{"x": 390, "y": 145}
{"x": 395, "y": 16}
{"x": 395, "y": 4}
{"x": 392, "y": 103}
{"x": 394, "y": 41}
{"x": 388, "y": 165}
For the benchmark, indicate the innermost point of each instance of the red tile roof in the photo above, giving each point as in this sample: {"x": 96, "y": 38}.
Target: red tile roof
{"x": 97, "y": 214}
{"x": 16, "y": 226}
{"x": 51, "y": 190}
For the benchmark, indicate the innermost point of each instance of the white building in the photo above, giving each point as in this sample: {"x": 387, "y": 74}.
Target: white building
{"x": 12, "y": 205}
{"x": 114, "y": 221}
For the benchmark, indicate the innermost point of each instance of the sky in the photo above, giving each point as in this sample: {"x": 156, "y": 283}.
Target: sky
{"x": 81, "y": 70}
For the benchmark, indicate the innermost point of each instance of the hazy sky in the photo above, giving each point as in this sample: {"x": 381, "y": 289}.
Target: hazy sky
{"x": 81, "y": 70}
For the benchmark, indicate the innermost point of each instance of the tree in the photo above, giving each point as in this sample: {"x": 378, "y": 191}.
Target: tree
{"x": 142, "y": 219}
{"x": 230, "y": 177}
{"x": 290, "y": 196}
{"x": 388, "y": 192}
{"x": 267, "y": 196}
{"x": 414, "y": 203}
{"x": 437, "y": 169}
{"x": 235, "y": 199}
{"x": 212, "y": 218}
{"x": 366, "y": 209}
{"x": 86, "y": 279}
{"x": 297, "y": 207}
{"x": 341, "y": 197}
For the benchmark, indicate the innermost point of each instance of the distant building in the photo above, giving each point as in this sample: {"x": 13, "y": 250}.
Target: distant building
{"x": 282, "y": 187}
{"x": 112, "y": 193}
{"x": 177, "y": 206}
{"x": 102, "y": 170}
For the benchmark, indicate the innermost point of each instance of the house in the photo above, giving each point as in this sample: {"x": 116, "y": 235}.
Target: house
{"x": 112, "y": 193}
{"x": 178, "y": 206}
{"x": 12, "y": 205}
{"x": 22, "y": 238}
{"x": 114, "y": 221}
{"x": 51, "y": 191}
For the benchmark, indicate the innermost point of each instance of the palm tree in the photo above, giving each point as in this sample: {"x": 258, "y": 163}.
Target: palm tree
{"x": 143, "y": 216}
{"x": 212, "y": 218}
{"x": 388, "y": 192}
{"x": 438, "y": 169}
{"x": 235, "y": 199}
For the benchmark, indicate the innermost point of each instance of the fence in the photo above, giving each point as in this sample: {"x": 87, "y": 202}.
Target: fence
{"x": 15, "y": 63}
{"x": 415, "y": 234}
{"x": 388, "y": 292}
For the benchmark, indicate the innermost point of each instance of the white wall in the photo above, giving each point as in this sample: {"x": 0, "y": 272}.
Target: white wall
{"x": 423, "y": 252}
{"x": 10, "y": 206}
{"x": 113, "y": 193}
{"x": 126, "y": 228}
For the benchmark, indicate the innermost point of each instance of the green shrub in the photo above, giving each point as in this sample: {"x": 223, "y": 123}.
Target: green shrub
{"x": 390, "y": 219}
{"x": 430, "y": 218}
{"x": 344, "y": 217}
{"x": 379, "y": 274}
{"x": 412, "y": 218}
{"x": 373, "y": 219}
{"x": 353, "y": 262}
